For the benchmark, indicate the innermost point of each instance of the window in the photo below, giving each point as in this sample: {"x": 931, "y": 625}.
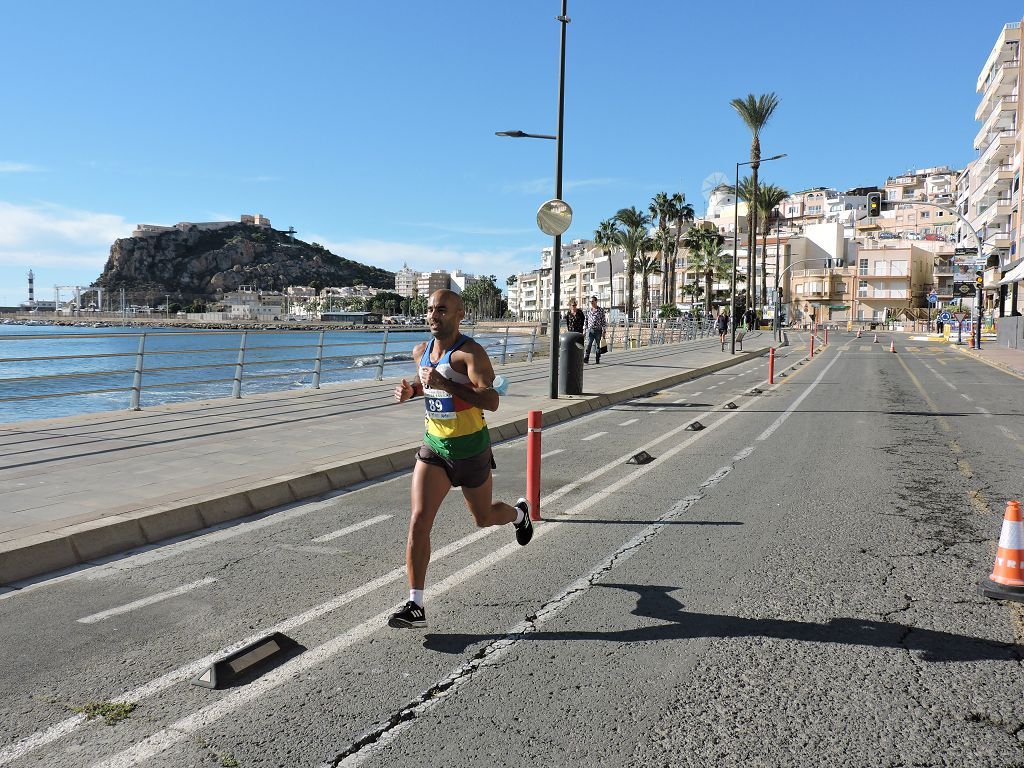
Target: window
{"x": 925, "y": 214}
{"x": 862, "y": 287}
{"x": 899, "y": 268}
{"x": 863, "y": 267}
{"x": 880, "y": 269}
{"x": 814, "y": 209}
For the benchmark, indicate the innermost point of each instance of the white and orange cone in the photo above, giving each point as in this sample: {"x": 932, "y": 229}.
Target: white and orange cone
{"x": 1007, "y": 579}
{"x": 858, "y": 333}
{"x": 876, "y": 339}
{"x": 892, "y": 345}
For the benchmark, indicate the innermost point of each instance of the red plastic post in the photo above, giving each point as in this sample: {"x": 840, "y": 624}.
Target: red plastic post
{"x": 771, "y": 365}
{"x": 812, "y": 347}
{"x": 533, "y": 425}
{"x": 826, "y": 334}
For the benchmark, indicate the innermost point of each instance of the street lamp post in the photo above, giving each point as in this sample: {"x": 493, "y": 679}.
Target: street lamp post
{"x": 735, "y": 245}
{"x": 556, "y": 255}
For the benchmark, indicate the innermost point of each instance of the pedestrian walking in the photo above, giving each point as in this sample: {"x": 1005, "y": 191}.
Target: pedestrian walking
{"x": 750, "y": 319}
{"x": 456, "y": 381}
{"x": 595, "y": 325}
{"x": 574, "y": 318}
{"x": 722, "y": 326}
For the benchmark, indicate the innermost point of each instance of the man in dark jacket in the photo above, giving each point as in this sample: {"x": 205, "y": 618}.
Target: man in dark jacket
{"x": 574, "y": 318}
{"x": 722, "y": 326}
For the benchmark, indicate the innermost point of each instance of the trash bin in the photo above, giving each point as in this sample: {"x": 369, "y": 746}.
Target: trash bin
{"x": 570, "y": 364}
{"x": 874, "y": 326}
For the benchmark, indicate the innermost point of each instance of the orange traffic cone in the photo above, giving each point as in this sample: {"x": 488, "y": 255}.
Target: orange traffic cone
{"x": 892, "y": 345}
{"x": 1007, "y": 579}
{"x": 858, "y": 333}
{"x": 876, "y": 339}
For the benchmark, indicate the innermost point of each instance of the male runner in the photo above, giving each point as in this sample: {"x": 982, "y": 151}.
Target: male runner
{"x": 455, "y": 377}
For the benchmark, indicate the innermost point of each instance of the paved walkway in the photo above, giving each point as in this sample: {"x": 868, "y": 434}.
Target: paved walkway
{"x": 77, "y": 489}
{"x": 1011, "y": 360}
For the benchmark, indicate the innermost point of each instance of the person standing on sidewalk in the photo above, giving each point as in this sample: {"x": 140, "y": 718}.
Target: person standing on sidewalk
{"x": 594, "y": 324}
{"x": 456, "y": 381}
{"x": 722, "y": 326}
{"x": 574, "y": 318}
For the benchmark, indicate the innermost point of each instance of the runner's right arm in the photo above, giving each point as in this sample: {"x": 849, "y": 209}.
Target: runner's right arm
{"x": 405, "y": 390}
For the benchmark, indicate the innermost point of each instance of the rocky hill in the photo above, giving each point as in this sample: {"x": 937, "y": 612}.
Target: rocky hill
{"x": 191, "y": 262}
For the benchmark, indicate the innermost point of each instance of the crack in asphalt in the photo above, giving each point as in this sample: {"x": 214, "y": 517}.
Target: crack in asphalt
{"x": 385, "y": 731}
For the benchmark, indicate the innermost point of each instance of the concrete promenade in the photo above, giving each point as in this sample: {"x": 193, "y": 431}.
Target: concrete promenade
{"x": 79, "y": 489}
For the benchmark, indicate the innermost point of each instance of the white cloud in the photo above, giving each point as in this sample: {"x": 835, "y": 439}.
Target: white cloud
{"x": 8, "y": 167}
{"x": 391, "y": 255}
{"x": 47, "y": 234}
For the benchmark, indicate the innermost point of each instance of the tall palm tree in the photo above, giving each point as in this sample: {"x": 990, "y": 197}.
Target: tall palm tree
{"x": 682, "y": 214}
{"x": 754, "y": 111}
{"x": 664, "y": 243}
{"x": 646, "y": 265}
{"x": 748, "y": 194}
{"x": 632, "y": 241}
{"x": 705, "y": 244}
{"x": 769, "y": 197}
{"x": 662, "y": 207}
{"x": 604, "y": 238}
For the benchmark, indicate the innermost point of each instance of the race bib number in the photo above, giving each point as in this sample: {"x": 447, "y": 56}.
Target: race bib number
{"x": 439, "y": 404}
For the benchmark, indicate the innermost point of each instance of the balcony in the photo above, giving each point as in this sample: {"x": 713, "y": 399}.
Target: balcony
{"x": 1001, "y": 117}
{"x": 998, "y": 182}
{"x": 997, "y": 152}
{"x": 883, "y": 293}
{"x": 1000, "y": 239}
{"x": 1001, "y": 207}
{"x": 1001, "y": 82}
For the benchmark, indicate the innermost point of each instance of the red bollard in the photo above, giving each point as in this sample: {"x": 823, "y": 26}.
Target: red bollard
{"x": 812, "y": 347}
{"x": 826, "y": 335}
{"x": 533, "y": 424}
{"x": 771, "y": 365}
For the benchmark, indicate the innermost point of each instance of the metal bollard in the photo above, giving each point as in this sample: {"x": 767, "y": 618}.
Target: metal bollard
{"x": 504, "y": 347}
{"x": 383, "y": 353}
{"x": 533, "y": 344}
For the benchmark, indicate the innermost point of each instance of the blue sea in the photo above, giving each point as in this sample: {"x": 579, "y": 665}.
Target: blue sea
{"x": 49, "y": 371}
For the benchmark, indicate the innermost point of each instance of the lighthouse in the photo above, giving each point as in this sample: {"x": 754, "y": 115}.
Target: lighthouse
{"x": 31, "y": 290}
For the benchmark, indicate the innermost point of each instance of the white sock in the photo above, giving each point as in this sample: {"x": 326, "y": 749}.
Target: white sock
{"x": 416, "y": 595}
{"x": 520, "y": 515}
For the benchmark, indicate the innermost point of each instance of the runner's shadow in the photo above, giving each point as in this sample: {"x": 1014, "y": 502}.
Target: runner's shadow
{"x": 641, "y": 522}
{"x": 656, "y": 602}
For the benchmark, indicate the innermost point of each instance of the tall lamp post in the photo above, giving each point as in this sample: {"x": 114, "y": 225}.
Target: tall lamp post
{"x": 735, "y": 244}
{"x": 556, "y": 255}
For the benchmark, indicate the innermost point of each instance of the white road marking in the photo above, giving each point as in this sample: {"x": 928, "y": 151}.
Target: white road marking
{"x": 556, "y": 451}
{"x": 179, "y": 730}
{"x": 713, "y": 386}
{"x": 698, "y": 393}
{"x": 627, "y": 423}
{"x": 93, "y": 618}
{"x": 658, "y": 410}
{"x": 593, "y": 437}
{"x": 796, "y": 403}
{"x": 681, "y": 400}
{"x": 983, "y": 412}
{"x": 966, "y": 397}
{"x": 351, "y": 529}
{"x": 1009, "y": 433}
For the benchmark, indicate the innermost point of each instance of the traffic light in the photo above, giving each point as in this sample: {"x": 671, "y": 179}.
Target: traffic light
{"x": 979, "y": 279}
{"x": 874, "y": 204}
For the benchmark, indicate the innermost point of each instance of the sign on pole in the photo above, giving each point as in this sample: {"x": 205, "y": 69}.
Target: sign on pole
{"x": 960, "y": 316}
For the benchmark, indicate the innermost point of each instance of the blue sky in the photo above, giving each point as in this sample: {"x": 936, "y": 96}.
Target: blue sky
{"x": 369, "y": 127}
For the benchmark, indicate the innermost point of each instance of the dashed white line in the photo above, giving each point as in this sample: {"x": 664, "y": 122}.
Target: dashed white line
{"x": 556, "y": 451}
{"x": 1009, "y": 433}
{"x": 594, "y": 436}
{"x": 983, "y": 412}
{"x": 966, "y": 397}
{"x": 796, "y": 403}
{"x": 681, "y": 400}
{"x": 658, "y": 410}
{"x": 627, "y": 423}
{"x": 93, "y": 618}
{"x": 352, "y": 528}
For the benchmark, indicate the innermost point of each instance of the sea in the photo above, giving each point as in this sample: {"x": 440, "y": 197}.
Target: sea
{"x": 54, "y": 371}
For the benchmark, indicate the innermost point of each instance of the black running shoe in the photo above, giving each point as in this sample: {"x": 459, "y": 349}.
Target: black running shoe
{"x": 410, "y": 617}
{"x": 524, "y": 530}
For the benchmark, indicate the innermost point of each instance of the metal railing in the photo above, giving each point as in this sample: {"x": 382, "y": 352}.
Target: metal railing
{"x": 137, "y": 368}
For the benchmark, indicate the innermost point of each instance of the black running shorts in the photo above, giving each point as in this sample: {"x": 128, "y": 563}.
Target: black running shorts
{"x": 469, "y": 473}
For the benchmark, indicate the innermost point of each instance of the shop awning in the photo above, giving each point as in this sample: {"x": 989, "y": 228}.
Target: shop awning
{"x": 1015, "y": 275}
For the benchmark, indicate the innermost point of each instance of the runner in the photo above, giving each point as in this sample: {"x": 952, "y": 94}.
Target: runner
{"x": 455, "y": 378}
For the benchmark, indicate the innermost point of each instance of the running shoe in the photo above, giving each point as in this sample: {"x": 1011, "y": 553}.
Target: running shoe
{"x": 411, "y": 616}
{"x": 524, "y": 530}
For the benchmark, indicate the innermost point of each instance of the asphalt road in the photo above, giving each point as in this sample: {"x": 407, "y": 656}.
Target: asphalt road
{"x": 793, "y": 585}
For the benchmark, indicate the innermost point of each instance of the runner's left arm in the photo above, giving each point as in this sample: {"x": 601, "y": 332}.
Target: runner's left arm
{"x": 480, "y": 393}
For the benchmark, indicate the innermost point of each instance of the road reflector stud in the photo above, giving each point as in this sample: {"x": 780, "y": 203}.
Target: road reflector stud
{"x": 257, "y": 656}
{"x": 1007, "y": 579}
{"x": 694, "y": 426}
{"x": 640, "y": 458}
{"x": 731, "y": 405}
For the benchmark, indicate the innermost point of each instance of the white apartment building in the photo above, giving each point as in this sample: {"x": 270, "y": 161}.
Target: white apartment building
{"x": 405, "y": 281}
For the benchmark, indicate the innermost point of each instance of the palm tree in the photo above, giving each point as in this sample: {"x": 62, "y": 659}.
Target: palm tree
{"x": 604, "y": 238}
{"x": 683, "y": 213}
{"x": 769, "y": 197}
{"x": 754, "y": 111}
{"x": 662, "y": 207}
{"x": 746, "y": 192}
{"x": 632, "y": 241}
{"x": 664, "y": 242}
{"x": 705, "y": 243}
{"x": 646, "y": 265}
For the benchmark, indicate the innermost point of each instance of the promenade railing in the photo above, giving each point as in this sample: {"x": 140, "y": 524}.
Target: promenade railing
{"x": 130, "y": 369}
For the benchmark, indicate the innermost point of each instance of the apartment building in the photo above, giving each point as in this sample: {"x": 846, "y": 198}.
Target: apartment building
{"x": 428, "y": 282}
{"x": 893, "y": 280}
{"x": 405, "y": 281}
